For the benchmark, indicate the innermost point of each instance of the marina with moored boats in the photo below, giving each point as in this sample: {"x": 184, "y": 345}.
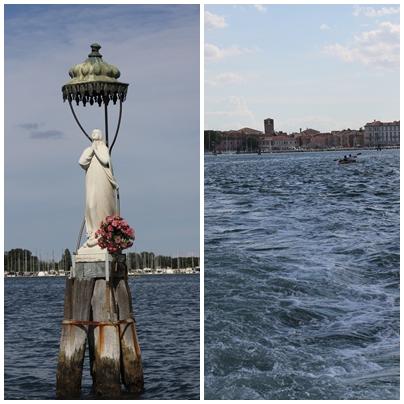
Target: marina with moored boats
{"x": 22, "y": 263}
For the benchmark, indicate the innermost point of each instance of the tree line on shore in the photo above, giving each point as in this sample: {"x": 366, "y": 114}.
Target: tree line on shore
{"x": 22, "y": 260}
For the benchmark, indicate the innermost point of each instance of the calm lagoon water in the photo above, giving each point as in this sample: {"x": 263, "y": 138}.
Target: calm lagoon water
{"x": 302, "y": 276}
{"x": 167, "y": 316}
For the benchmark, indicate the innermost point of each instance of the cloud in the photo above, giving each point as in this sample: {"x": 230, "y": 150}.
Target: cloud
{"x": 47, "y": 134}
{"x": 214, "y": 21}
{"x": 379, "y": 47}
{"x": 324, "y": 27}
{"x": 374, "y": 12}
{"x": 29, "y": 126}
{"x": 213, "y": 52}
{"x": 34, "y": 133}
{"x": 225, "y": 79}
{"x": 234, "y": 113}
{"x": 260, "y": 8}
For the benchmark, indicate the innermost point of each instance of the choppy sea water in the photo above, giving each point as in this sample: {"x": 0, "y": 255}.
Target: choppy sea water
{"x": 302, "y": 276}
{"x": 167, "y": 316}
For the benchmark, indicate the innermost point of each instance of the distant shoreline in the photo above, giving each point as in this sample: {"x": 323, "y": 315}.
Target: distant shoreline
{"x": 303, "y": 151}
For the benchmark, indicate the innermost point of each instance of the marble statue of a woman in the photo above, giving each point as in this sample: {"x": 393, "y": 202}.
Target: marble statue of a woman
{"x": 101, "y": 189}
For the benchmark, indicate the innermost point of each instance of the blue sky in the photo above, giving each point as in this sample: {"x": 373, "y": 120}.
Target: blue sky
{"x": 325, "y": 67}
{"x": 156, "y": 157}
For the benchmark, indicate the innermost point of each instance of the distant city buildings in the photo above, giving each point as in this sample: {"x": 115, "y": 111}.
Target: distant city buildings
{"x": 374, "y": 134}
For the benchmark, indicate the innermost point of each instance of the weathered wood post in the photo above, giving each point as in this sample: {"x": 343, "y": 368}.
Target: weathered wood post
{"x": 98, "y": 305}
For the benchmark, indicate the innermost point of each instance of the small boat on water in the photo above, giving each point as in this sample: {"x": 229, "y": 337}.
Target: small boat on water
{"x": 347, "y": 161}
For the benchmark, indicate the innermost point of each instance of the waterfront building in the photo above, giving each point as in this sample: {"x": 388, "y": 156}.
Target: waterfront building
{"x": 277, "y": 142}
{"x": 321, "y": 141}
{"x": 309, "y": 132}
{"x": 379, "y": 133}
{"x": 348, "y": 138}
{"x": 304, "y": 138}
{"x": 312, "y": 139}
{"x": 245, "y": 139}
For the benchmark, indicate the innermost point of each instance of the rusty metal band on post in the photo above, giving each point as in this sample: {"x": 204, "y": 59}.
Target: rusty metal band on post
{"x": 78, "y": 123}
{"x": 98, "y": 323}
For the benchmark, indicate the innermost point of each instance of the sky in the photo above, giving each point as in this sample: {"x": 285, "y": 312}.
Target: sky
{"x": 156, "y": 156}
{"x": 326, "y": 67}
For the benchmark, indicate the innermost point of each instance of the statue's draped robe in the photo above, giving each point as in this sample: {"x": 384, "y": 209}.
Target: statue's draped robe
{"x": 100, "y": 188}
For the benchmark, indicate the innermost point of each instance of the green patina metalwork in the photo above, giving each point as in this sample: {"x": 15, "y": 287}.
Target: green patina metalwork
{"x": 94, "y": 81}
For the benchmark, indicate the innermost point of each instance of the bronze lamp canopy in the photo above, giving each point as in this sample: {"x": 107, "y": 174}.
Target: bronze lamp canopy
{"x": 95, "y": 81}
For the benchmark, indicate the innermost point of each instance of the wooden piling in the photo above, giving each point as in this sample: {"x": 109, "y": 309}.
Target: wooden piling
{"x": 132, "y": 370}
{"x": 106, "y": 364}
{"x": 101, "y": 312}
{"x": 73, "y": 340}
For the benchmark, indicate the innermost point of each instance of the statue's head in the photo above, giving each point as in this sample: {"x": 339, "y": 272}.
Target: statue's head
{"x": 97, "y": 134}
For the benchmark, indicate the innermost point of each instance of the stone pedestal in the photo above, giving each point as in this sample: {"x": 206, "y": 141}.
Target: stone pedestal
{"x": 86, "y": 267}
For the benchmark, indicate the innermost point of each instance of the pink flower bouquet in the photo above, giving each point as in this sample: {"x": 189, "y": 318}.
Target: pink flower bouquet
{"x": 115, "y": 234}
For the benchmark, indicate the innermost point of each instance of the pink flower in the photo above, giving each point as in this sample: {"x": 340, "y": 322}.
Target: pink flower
{"x": 115, "y": 234}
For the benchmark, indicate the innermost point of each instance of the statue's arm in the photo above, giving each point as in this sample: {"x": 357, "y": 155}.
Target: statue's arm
{"x": 102, "y": 153}
{"x": 85, "y": 158}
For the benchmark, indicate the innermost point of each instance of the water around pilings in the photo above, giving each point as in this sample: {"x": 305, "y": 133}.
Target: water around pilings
{"x": 302, "y": 276}
{"x": 167, "y": 316}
